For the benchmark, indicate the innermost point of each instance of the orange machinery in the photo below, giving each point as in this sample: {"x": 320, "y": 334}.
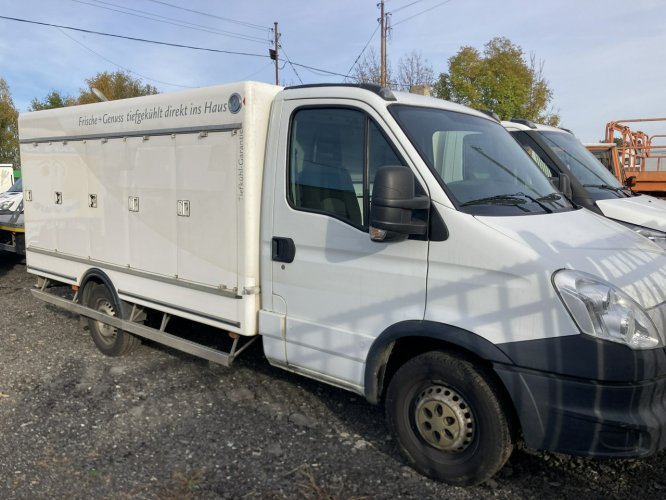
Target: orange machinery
{"x": 642, "y": 157}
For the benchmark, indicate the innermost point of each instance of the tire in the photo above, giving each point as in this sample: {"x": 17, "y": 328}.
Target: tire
{"x": 109, "y": 340}
{"x": 448, "y": 419}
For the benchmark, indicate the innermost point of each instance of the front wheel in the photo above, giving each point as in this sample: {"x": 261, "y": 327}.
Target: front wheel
{"x": 108, "y": 339}
{"x": 448, "y": 419}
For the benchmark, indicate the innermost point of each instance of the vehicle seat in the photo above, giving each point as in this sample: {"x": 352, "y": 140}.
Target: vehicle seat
{"x": 324, "y": 184}
{"x": 328, "y": 189}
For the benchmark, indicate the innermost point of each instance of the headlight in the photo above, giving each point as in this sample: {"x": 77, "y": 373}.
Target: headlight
{"x": 653, "y": 235}
{"x": 604, "y": 311}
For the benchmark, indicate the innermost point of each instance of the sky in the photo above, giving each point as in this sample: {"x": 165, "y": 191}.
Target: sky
{"x": 603, "y": 59}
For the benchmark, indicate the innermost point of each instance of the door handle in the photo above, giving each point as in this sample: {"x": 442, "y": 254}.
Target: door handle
{"x": 284, "y": 249}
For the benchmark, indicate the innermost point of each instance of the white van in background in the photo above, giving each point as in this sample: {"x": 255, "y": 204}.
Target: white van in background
{"x": 588, "y": 183}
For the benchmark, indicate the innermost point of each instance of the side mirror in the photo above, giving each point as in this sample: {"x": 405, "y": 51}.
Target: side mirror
{"x": 630, "y": 181}
{"x": 393, "y": 203}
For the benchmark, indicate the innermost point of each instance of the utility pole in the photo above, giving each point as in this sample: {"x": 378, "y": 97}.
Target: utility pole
{"x": 275, "y": 50}
{"x": 382, "y": 56}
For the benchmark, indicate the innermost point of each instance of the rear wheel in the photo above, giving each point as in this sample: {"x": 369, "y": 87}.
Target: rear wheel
{"x": 448, "y": 419}
{"x": 108, "y": 339}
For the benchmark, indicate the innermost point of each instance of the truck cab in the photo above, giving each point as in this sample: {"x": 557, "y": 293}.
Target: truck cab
{"x": 587, "y": 181}
{"x": 390, "y": 296}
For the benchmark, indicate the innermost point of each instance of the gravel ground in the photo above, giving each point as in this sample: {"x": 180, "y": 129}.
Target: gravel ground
{"x": 162, "y": 424}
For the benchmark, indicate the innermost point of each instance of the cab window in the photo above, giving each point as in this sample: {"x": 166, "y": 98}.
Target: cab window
{"x": 334, "y": 154}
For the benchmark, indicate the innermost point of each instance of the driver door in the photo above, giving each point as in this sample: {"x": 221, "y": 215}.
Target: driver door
{"x": 337, "y": 289}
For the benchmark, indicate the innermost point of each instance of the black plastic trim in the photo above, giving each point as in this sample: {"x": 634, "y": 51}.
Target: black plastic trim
{"x": 100, "y": 275}
{"x": 586, "y": 357}
{"x": 585, "y": 417}
{"x": 383, "y": 344}
{"x": 438, "y": 230}
{"x": 491, "y": 114}
{"x": 283, "y": 249}
{"x": 522, "y": 121}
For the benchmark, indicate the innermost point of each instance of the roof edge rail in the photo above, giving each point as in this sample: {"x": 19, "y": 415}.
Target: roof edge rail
{"x": 491, "y": 114}
{"x": 383, "y": 92}
{"x": 522, "y": 121}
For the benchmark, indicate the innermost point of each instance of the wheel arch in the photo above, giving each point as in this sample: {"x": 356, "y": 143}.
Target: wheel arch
{"x": 99, "y": 277}
{"x": 402, "y": 341}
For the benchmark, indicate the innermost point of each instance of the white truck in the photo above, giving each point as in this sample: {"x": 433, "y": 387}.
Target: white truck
{"x": 589, "y": 183}
{"x": 398, "y": 246}
{"x": 12, "y": 237}
{"x": 11, "y": 211}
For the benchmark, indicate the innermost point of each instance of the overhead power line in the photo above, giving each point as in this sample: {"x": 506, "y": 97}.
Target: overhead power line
{"x": 405, "y": 6}
{"x": 235, "y": 21}
{"x": 169, "y": 44}
{"x": 155, "y": 42}
{"x": 256, "y": 72}
{"x": 363, "y": 50}
{"x": 119, "y": 66}
{"x": 422, "y": 12}
{"x": 99, "y": 4}
{"x": 291, "y": 64}
{"x": 319, "y": 70}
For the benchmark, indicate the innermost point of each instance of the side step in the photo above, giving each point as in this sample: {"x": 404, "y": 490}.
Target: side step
{"x": 154, "y": 334}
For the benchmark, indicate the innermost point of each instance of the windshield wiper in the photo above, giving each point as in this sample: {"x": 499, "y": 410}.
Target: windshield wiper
{"x": 604, "y": 186}
{"x": 550, "y": 197}
{"x": 538, "y": 201}
{"x": 514, "y": 199}
{"x": 500, "y": 199}
{"x": 616, "y": 189}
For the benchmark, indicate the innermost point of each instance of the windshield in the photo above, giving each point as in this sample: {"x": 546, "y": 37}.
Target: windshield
{"x": 583, "y": 165}
{"x": 478, "y": 163}
{"x": 17, "y": 187}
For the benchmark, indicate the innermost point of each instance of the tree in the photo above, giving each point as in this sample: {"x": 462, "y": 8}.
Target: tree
{"x": 52, "y": 100}
{"x": 413, "y": 69}
{"x": 499, "y": 79}
{"x": 9, "y": 141}
{"x": 116, "y": 85}
{"x": 368, "y": 69}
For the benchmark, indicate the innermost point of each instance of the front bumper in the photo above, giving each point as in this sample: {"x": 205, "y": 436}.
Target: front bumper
{"x": 586, "y": 417}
